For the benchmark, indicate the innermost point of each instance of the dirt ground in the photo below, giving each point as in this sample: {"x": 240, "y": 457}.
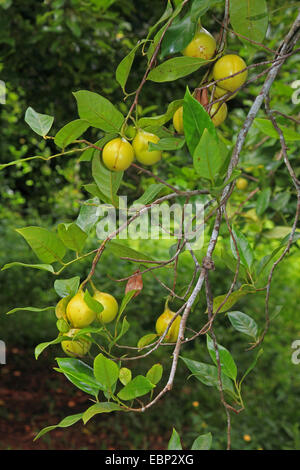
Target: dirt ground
{"x": 33, "y": 396}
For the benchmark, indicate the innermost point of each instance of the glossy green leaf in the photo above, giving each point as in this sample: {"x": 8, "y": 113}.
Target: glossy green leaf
{"x": 107, "y": 181}
{"x": 137, "y": 387}
{"x": 106, "y": 371}
{"x": 174, "y": 443}
{"x": 243, "y": 323}
{"x": 226, "y": 360}
{"x": 72, "y": 236}
{"x": 263, "y": 201}
{"x": 244, "y": 249}
{"x": 207, "y": 156}
{"x": 249, "y": 18}
{"x": 43, "y": 267}
{"x": 266, "y": 126}
{"x": 125, "y": 375}
{"x": 64, "y": 423}
{"x": 154, "y": 374}
{"x": 104, "y": 407}
{"x": 80, "y": 374}
{"x": 208, "y": 374}
{"x": 98, "y": 111}
{"x": 168, "y": 143}
{"x": 202, "y": 442}
{"x": 158, "y": 121}
{"x": 67, "y": 287}
{"x": 150, "y": 194}
{"x": 42, "y": 346}
{"x": 29, "y": 309}
{"x": 70, "y": 132}
{"x": 195, "y": 120}
{"x": 88, "y": 215}
{"x": 175, "y": 68}
{"x": 147, "y": 339}
{"x": 46, "y": 245}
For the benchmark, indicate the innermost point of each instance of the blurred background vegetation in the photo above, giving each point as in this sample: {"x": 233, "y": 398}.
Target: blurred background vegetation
{"x": 49, "y": 49}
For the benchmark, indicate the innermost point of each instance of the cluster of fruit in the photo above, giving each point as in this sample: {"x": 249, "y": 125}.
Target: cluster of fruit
{"x": 76, "y": 314}
{"x": 229, "y": 72}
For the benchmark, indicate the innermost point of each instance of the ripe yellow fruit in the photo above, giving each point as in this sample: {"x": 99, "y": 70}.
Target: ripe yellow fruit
{"x": 219, "y": 92}
{"x": 140, "y": 146}
{"x": 110, "y": 306}
{"x": 203, "y": 45}
{"x": 78, "y": 312}
{"x": 225, "y": 67}
{"x": 241, "y": 183}
{"x": 118, "y": 154}
{"x": 178, "y": 120}
{"x": 218, "y": 113}
{"x": 60, "y": 309}
{"x": 163, "y": 321}
{"x": 76, "y": 347}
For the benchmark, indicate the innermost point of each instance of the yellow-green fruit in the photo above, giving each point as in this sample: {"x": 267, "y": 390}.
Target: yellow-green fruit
{"x": 241, "y": 183}
{"x": 218, "y": 113}
{"x": 163, "y": 321}
{"x": 140, "y": 146}
{"x": 203, "y": 45}
{"x": 178, "y": 120}
{"x": 60, "y": 309}
{"x": 118, "y": 154}
{"x": 76, "y": 347}
{"x": 219, "y": 92}
{"x": 110, "y": 306}
{"x": 78, "y": 312}
{"x": 226, "y": 66}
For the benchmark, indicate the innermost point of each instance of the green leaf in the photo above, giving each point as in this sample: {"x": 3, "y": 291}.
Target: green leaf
{"x": 92, "y": 303}
{"x": 93, "y": 189}
{"x": 45, "y": 244}
{"x": 64, "y": 423}
{"x": 266, "y": 126}
{"x": 72, "y": 236}
{"x": 70, "y": 132}
{"x": 195, "y": 120}
{"x": 175, "y": 68}
{"x": 67, "y": 287}
{"x": 243, "y": 323}
{"x": 124, "y": 251}
{"x": 263, "y": 201}
{"x": 39, "y": 123}
{"x": 147, "y": 339}
{"x": 244, "y": 249}
{"x": 104, "y": 407}
{"x": 249, "y": 19}
{"x": 226, "y": 360}
{"x": 253, "y": 364}
{"x": 43, "y": 267}
{"x": 106, "y": 372}
{"x": 232, "y": 299}
{"x": 137, "y": 387}
{"x": 154, "y": 374}
{"x": 107, "y": 181}
{"x": 80, "y": 374}
{"x": 29, "y": 309}
{"x": 202, "y": 442}
{"x": 208, "y": 374}
{"x": 149, "y": 195}
{"x": 125, "y": 375}
{"x": 88, "y": 215}
{"x": 158, "y": 121}
{"x": 124, "y": 67}
{"x": 168, "y": 143}
{"x": 207, "y": 156}
{"x": 42, "y": 346}
{"x": 281, "y": 231}
{"x": 98, "y": 111}
{"x": 174, "y": 442}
